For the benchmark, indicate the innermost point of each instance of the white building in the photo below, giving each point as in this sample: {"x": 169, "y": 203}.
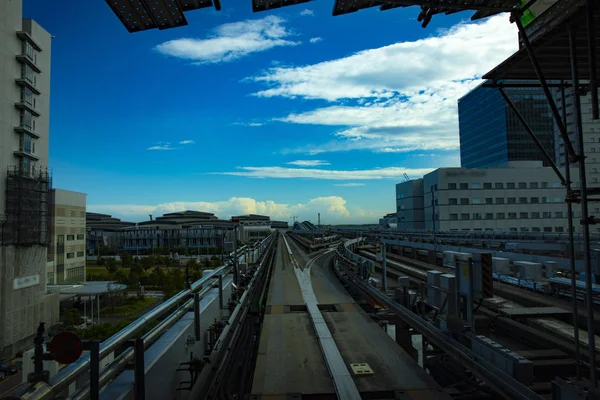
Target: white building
{"x": 66, "y": 250}
{"x": 521, "y": 196}
{"x": 24, "y": 179}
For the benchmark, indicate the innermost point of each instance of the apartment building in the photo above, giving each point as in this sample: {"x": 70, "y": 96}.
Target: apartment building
{"x": 491, "y": 134}
{"x": 25, "y": 182}
{"x": 520, "y": 196}
{"x": 66, "y": 250}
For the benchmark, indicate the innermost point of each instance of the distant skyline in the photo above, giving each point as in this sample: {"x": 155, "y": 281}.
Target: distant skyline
{"x": 286, "y": 113}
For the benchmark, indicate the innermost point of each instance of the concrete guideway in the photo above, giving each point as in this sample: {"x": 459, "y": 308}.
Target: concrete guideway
{"x": 345, "y": 387}
{"x": 290, "y": 361}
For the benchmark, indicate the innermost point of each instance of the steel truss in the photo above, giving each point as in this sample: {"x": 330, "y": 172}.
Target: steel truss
{"x": 575, "y": 154}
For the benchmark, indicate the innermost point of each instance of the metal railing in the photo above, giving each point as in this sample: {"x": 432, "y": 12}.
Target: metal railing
{"x": 68, "y": 375}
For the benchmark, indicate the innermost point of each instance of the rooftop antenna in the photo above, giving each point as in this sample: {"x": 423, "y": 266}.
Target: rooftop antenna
{"x": 406, "y": 177}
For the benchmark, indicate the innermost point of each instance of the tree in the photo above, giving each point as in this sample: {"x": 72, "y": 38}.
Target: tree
{"x": 207, "y": 264}
{"x": 147, "y": 263}
{"x": 126, "y": 260}
{"x": 70, "y": 317}
{"x": 111, "y": 267}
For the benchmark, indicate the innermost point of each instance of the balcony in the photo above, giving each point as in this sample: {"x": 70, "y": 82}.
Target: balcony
{"x": 24, "y": 82}
{"x": 23, "y": 105}
{"x": 22, "y": 128}
{"x": 25, "y": 36}
{"x": 25, "y": 59}
{"x": 26, "y": 153}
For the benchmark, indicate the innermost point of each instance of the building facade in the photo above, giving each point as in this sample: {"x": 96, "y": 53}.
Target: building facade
{"x": 25, "y": 182}
{"x": 591, "y": 138}
{"x": 101, "y": 231}
{"x": 409, "y": 205}
{"x": 66, "y": 250}
{"x": 520, "y": 197}
{"x": 491, "y": 134}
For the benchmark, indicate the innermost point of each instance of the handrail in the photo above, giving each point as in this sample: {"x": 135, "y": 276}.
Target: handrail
{"x": 69, "y": 374}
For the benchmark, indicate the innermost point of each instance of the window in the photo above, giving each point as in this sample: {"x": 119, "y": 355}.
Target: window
{"x": 533, "y": 185}
{"x": 489, "y": 216}
{"x": 545, "y": 200}
{"x": 556, "y": 184}
{"x": 512, "y": 215}
{"x": 499, "y": 200}
{"x": 27, "y": 74}
{"x": 476, "y": 216}
{"x": 534, "y": 200}
{"x": 499, "y": 215}
{"x": 557, "y": 200}
{"x": 522, "y": 185}
{"x": 547, "y": 214}
{"x": 522, "y": 200}
{"x": 464, "y": 201}
{"x": 512, "y": 200}
{"x": 475, "y": 201}
{"x": 453, "y": 217}
{"x": 547, "y": 229}
{"x": 475, "y": 185}
{"x": 464, "y": 216}
{"x": 487, "y": 185}
{"x": 400, "y": 196}
{"x": 79, "y": 254}
{"x": 535, "y": 214}
{"x": 452, "y": 201}
{"x": 523, "y": 215}
{"x": 499, "y": 185}
{"x": 25, "y": 144}
{"x": 544, "y": 185}
{"x": 558, "y": 214}
{"x": 452, "y": 186}
{"x": 464, "y": 186}
{"x": 70, "y": 237}
{"x": 558, "y": 229}
{"x": 512, "y": 229}
{"x": 510, "y": 185}
{"x": 80, "y": 236}
{"x": 535, "y": 229}
{"x": 28, "y": 50}
{"x": 488, "y": 200}
{"x": 523, "y": 229}
{"x": 27, "y": 96}
{"x": 70, "y": 255}
{"x": 27, "y": 121}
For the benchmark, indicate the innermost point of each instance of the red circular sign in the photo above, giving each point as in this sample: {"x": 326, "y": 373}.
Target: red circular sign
{"x": 66, "y": 347}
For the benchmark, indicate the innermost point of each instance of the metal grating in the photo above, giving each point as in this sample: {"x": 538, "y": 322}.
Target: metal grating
{"x": 166, "y": 13}
{"x": 264, "y": 5}
{"x": 133, "y": 14}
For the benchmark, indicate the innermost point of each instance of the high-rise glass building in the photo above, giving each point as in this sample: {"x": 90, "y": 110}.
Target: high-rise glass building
{"x": 491, "y": 134}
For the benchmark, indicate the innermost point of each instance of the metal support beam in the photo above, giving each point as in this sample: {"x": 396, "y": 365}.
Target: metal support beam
{"x": 571, "y": 248}
{"x": 539, "y": 144}
{"x": 94, "y": 347}
{"x": 538, "y": 71}
{"x": 592, "y": 57}
{"x": 139, "y": 369}
{"x": 197, "y": 333}
{"x": 220, "y": 292}
{"x": 587, "y": 259}
{"x": 384, "y": 269}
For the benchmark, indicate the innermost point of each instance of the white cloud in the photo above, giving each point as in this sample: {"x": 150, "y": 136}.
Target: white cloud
{"x": 349, "y": 184}
{"x": 231, "y": 41}
{"x": 187, "y": 142}
{"x": 165, "y": 146}
{"x": 397, "y": 98}
{"x": 295, "y": 173}
{"x": 307, "y": 13}
{"x": 315, "y": 40}
{"x": 333, "y": 209}
{"x": 309, "y": 163}
{"x": 253, "y": 124}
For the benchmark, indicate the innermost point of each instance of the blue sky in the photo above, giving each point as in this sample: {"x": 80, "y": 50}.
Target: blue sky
{"x": 289, "y": 112}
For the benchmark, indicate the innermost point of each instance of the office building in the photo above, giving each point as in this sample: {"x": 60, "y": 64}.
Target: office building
{"x": 491, "y": 134}
{"x": 389, "y": 221}
{"x": 66, "y": 250}
{"x": 409, "y": 205}
{"x": 193, "y": 230}
{"x": 520, "y": 196}
{"x": 591, "y": 138}
{"x": 25, "y": 182}
{"x": 101, "y": 231}
{"x": 252, "y": 227}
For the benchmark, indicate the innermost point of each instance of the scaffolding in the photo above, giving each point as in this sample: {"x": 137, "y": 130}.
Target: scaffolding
{"x": 27, "y": 206}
